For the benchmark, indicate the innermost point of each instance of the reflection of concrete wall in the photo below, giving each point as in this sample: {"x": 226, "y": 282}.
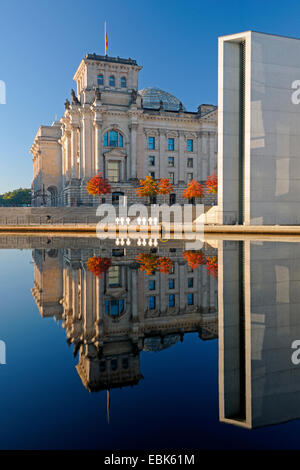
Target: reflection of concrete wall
{"x": 259, "y": 142}
{"x": 259, "y": 320}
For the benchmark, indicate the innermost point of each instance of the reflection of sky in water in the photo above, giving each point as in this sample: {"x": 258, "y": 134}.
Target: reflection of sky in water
{"x": 44, "y": 404}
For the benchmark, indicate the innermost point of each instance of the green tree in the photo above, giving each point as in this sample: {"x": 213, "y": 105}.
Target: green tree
{"x": 17, "y": 197}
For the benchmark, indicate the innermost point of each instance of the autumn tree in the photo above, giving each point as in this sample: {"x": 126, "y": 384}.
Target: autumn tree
{"x": 98, "y": 185}
{"x": 212, "y": 184}
{"x": 165, "y": 187}
{"x": 193, "y": 190}
{"x": 98, "y": 265}
{"x": 148, "y": 187}
{"x": 194, "y": 258}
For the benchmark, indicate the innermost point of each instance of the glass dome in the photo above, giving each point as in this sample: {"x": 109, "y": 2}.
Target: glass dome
{"x": 153, "y": 96}
{"x": 154, "y": 343}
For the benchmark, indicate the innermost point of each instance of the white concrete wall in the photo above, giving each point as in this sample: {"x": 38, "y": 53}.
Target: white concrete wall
{"x": 271, "y": 189}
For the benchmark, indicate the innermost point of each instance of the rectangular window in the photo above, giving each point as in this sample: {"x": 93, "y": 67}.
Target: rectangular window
{"x": 114, "y": 276}
{"x": 189, "y": 177}
{"x": 171, "y": 283}
{"x": 189, "y": 269}
{"x": 170, "y": 161}
{"x": 172, "y": 199}
{"x": 170, "y": 144}
{"x": 172, "y": 269}
{"x": 171, "y": 300}
{"x": 190, "y": 299}
{"x": 151, "y": 285}
{"x": 152, "y": 302}
{"x": 190, "y": 282}
{"x": 117, "y": 252}
{"x": 151, "y": 160}
{"x": 151, "y": 143}
{"x": 190, "y": 162}
{"x": 113, "y": 171}
{"x": 152, "y": 174}
{"x": 190, "y": 145}
{"x": 171, "y": 177}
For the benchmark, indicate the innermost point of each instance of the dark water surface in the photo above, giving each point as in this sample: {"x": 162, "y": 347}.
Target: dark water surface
{"x": 148, "y": 371}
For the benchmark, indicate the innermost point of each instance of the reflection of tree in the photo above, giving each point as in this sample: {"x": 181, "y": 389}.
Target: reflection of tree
{"x": 165, "y": 265}
{"x": 151, "y": 263}
{"x": 212, "y": 265}
{"x": 98, "y": 265}
{"x": 195, "y": 259}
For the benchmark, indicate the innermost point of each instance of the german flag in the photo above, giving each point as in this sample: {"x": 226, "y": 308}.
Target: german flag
{"x": 105, "y": 39}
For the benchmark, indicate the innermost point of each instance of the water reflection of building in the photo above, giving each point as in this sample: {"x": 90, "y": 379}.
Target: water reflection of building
{"x": 48, "y": 290}
{"x": 259, "y": 297}
{"x": 110, "y": 320}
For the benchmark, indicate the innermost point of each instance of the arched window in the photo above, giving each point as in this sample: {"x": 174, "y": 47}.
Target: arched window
{"x": 112, "y": 80}
{"x": 100, "y": 79}
{"x": 123, "y": 82}
{"x": 113, "y": 139}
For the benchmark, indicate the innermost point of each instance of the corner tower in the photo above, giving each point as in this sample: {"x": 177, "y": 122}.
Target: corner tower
{"x": 114, "y": 77}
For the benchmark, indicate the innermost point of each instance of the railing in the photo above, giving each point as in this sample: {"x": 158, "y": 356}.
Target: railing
{"x": 229, "y": 218}
{"x": 42, "y": 220}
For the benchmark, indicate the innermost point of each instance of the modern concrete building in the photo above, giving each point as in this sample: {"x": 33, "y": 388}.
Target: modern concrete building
{"x": 125, "y": 133}
{"x": 259, "y": 129}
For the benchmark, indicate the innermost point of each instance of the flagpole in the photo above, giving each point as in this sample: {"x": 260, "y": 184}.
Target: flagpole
{"x": 105, "y": 37}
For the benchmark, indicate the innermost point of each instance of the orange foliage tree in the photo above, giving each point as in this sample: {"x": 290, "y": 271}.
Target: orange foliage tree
{"x": 98, "y": 185}
{"x": 212, "y": 184}
{"x": 194, "y": 258}
{"x": 98, "y": 265}
{"x": 212, "y": 265}
{"x": 165, "y": 264}
{"x": 193, "y": 190}
{"x": 151, "y": 263}
{"x": 148, "y": 263}
{"x": 148, "y": 187}
{"x": 165, "y": 187}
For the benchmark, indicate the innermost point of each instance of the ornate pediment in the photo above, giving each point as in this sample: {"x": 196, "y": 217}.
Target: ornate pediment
{"x": 115, "y": 152}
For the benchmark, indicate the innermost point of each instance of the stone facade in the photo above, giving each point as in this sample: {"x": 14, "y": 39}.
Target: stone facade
{"x": 126, "y": 134}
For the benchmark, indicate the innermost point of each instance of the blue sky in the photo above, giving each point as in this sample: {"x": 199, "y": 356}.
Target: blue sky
{"x": 42, "y": 43}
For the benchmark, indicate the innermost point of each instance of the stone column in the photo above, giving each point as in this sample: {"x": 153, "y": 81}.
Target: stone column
{"x": 134, "y": 293}
{"x": 73, "y": 151}
{"x": 133, "y": 152}
{"x": 204, "y": 155}
{"x": 181, "y": 159}
{"x": 75, "y": 292}
{"x": 98, "y": 147}
{"x": 161, "y": 164}
{"x": 86, "y": 146}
